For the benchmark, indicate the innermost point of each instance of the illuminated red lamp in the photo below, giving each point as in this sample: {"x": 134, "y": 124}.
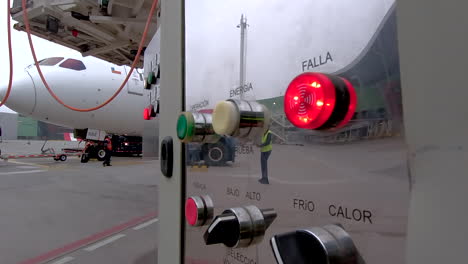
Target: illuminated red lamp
{"x": 319, "y": 101}
{"x": 146, "y": 114}
{"x": 149, "y": 113}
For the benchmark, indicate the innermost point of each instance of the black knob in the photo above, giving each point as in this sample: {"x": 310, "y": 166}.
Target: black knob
{"x": 224, "y": 229}
{"x": 321, "y": 245}
{"x": 240, "y": 226}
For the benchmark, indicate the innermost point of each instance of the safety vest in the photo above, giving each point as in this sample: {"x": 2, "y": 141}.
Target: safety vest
{"x": 108, "y": 144}
{"x": 268, "y": 147}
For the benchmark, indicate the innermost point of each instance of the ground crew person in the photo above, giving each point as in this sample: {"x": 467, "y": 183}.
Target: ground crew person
{"x": 108, "y": 149}
{"x": 265, "y": 149}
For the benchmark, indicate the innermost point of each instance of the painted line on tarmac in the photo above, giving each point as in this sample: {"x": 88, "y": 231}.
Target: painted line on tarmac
{"x": 26, "y": 167}
{"x": 127, "y": 163}
{"x": 28, "y": 163}
{"x": 61, "y": 251}
{"x": 104, "y": 242}
{"x": 21, "y": 172}
{"x": 63, "y": 260}
{"x": 150, "y": 222}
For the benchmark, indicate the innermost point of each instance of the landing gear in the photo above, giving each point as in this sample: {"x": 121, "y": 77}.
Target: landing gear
{"x": 219, "y": 153}
{"x": 84, "y": 158}
{"x": 62, "y": 157}
{"x": 101, "y": 154}
{"x": 214, "y": 154}
{"x": 93, "y": 150}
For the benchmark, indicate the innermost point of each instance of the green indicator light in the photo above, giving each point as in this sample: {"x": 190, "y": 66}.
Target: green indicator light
{"x": 151, "y": 78}
{"x": 182, "y": 127}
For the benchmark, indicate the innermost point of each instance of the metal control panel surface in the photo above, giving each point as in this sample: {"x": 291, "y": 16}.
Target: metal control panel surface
{"x": 354, "y": 176}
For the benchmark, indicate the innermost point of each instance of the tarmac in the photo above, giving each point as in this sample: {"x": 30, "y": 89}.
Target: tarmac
{"x": 72, "y": 212}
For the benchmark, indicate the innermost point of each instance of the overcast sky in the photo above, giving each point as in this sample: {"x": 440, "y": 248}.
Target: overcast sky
{"x": 21, "y": 51}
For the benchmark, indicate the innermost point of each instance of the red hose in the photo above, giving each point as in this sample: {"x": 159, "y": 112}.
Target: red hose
{"x": 10, "y": 55}
{"x": 135, "y": 61}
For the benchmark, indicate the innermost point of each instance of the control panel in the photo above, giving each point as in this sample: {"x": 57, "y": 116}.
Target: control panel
{"x": 295, "y": 151}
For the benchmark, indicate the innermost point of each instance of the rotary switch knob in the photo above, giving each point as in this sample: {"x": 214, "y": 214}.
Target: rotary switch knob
{"x": 240, "y": 226}
{"x": 330, "y": 244}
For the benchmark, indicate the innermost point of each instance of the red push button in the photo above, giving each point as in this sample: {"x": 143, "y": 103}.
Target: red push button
{"x": 191, "y": 211}
{"x": 198, "y": 210}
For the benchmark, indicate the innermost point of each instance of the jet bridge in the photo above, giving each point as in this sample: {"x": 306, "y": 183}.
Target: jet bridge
{"x": 107, "y": 29}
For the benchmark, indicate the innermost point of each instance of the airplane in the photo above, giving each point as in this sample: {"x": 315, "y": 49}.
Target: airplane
{"x": 81, "y": 82}
{"x": 369, "y": 62}
{"x": 85, "y": 82}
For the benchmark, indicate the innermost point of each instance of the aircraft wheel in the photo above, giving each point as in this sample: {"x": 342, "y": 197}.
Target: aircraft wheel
{"x": 63, "y": 157}
{"x": 101, "y": 155}
{"x": 215, "y": 155}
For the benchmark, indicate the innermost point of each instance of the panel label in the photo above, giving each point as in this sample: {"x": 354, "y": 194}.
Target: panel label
{"x": 354, "y": 214}
{"x": 304, "y": 205}
{"x": 200, "y": 105}
{"x": 244, "y": 149}
{"x": 200, "y": 186}
{"x": 314, "y": 62}
{"x": 240, "y": 90}
{"x": 237, "y": 257}
{"x": 232, "y": 191}
{"x": 256, "y": 196}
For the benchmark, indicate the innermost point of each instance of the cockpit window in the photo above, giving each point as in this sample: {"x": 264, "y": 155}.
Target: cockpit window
{"x": 50, "y": 61}
{"x": 73, "y": 64}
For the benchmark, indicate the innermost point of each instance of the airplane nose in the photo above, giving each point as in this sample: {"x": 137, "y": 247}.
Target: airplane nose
{"x": 22, "y": 97}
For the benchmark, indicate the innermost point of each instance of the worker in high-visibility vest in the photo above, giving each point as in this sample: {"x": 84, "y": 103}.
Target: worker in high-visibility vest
{"x": 108, "y": 149}
{"x": 265, "y": 148}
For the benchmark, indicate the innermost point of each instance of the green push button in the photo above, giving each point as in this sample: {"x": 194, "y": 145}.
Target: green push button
{"x": 185, "y": 126}
{"x": 182, "y": 126}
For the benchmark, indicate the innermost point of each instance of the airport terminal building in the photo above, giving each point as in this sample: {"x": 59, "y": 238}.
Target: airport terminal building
{"x": 15, "y": 126}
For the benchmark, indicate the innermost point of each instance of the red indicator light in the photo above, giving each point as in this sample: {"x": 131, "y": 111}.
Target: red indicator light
{"x": 352, "y": 104}
{"x": 149, "y": 113}
{"x": 191, "y": 212}
{"x": 319, "y": 101}
{"x": 304, "y": 100}
{"x": 146, "y": 114}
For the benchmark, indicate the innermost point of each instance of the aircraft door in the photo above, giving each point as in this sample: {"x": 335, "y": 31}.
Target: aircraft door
{"x": 293, "y": 133}
{"x": 135, "y": 82}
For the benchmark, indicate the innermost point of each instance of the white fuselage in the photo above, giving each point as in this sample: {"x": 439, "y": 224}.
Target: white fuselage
{"x": 82, "y": 89}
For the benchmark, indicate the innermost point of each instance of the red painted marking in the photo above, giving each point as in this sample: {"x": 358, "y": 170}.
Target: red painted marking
{"x": 67, "y": 136}
{"x": 206, "y": 111}
{"x": 88, "y": 240}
